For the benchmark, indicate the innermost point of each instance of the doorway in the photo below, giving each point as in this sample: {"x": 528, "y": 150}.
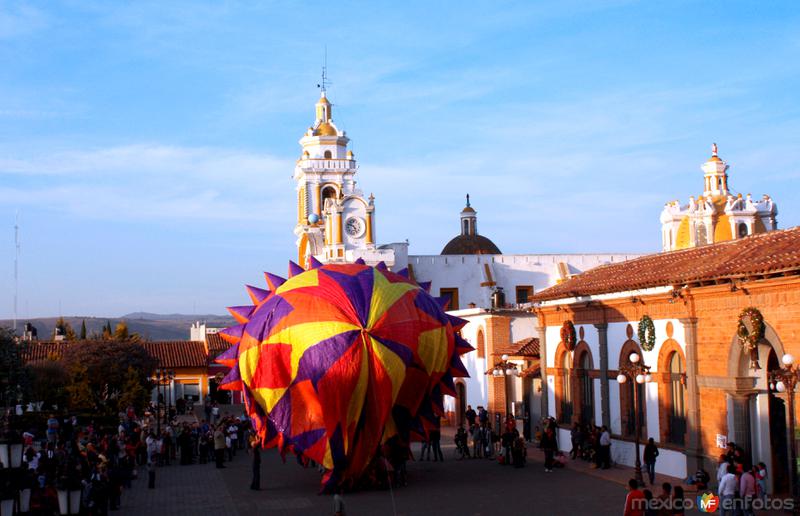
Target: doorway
{"x": 779, "y": 444}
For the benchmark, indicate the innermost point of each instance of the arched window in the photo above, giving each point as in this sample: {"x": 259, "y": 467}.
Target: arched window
{"x": 627, "y": 395}
{"x": 481, "y": 345}
{"x": 701, "y": 236}
{"x": 587, "y": 388}
{"x": 742, "y": 230}
{"x": 328, "y": 154}
{"x": 677, "y": 394}
{"x": 566, "y": 389}
{"x": 328, "y": 192}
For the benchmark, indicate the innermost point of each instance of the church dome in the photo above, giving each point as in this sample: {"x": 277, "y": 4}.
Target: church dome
{"x": 469, "y": 241}
{"x": 470, "y": 244}
{"x": 325, "y": 129}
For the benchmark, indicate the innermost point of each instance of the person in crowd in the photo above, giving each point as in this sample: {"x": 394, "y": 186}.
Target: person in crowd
{"x": 255, "y": 450}
{"x": 470, "y": 415}
{"x": 678, "y": 501}
{"x": 460, "y": 440}
{"x": 219, "y": 447}
{"x": 722, "y": 468}
{"x": 726, "y": 491}
{"x": 650, "y": 504}
{"x": 649, "y": 459}
{"x": 436, "y": 445}
{"x": 549, "y": 446}
{"x": 635, "y": 500}
{"x": 761, "y": 480}
{"x": 665, "y": 499}
{"x": 425, "y": 449}
{"x": 747, "y": 490}
{"x": 477, "y": 441}
{"x": 605, "y": 448}
{"x": 574, "y": 438}
{"x": 701, "y": 479}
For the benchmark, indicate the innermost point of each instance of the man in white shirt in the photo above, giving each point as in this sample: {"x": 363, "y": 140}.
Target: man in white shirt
{"x": 727, "y": 493}
{"x": 605, "y": 449}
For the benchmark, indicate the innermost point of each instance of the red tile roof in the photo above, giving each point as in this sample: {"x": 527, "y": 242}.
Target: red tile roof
{"x": 171, "y": 354}
{"x": 532, "y": 371}
{"x": 524, "y": 348}
{"x": 178, "y": 353}
{"x": 34, "y": 351}
{"x": 216, "y": 344}
{"x": 771, "y": 253}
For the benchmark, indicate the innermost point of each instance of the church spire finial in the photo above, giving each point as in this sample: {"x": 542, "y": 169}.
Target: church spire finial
{"x": 467, "y": 200}
{"x": 324, "y": 81}
{"x": 714, "y": 150}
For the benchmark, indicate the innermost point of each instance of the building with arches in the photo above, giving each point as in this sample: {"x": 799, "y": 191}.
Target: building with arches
{"x": 706, "y": 389}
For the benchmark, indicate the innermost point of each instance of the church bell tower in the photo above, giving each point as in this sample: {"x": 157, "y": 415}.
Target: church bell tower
{"x": 335, "y": 223}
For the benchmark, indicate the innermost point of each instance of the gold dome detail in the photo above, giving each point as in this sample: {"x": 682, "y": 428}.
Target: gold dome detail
{"x": 722, "y": 231}
{"x": 325, "y": 129}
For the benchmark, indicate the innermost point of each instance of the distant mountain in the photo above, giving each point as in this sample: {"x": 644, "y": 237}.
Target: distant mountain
{"x": 149, "y": 326}
{"x": 173, "y": 317}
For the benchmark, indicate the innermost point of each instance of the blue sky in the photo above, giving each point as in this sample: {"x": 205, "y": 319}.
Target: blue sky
{"x": 149, "y": 147}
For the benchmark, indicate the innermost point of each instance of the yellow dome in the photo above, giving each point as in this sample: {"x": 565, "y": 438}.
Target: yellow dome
{"x": 325, "y": 129}
{"x": 683, "y": 238}
{"x": 722, "y": 231}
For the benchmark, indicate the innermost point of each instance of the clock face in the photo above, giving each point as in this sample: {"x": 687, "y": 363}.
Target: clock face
{"x": 354, "y": 227}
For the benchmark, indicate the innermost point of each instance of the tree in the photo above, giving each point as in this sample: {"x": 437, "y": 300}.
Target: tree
{"x": 49, "y": 381}
{"x": 83, "y": 329}
{"x": 64, "y": 328}
{"x": 121, "y": 332}
{"x": 79, "y": 388}
{"x": 107, "y": 333}
{"x": 106, "y": 366}
{"x": 14, "y": 380}
{"x": 134, "y": 393}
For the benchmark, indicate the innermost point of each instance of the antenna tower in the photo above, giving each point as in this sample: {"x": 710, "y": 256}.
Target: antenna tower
{"x": 16, "y": 267}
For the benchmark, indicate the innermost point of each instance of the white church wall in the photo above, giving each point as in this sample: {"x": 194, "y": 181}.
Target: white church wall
{"x": 553, "y": 335}
{"x": 523, "y": 328}
{"x": 467, "y": 272}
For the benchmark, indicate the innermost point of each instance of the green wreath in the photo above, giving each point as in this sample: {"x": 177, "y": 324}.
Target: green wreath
{"x": 647, "y": 333}
{"x": 751, "y": 328}
{"x": 568, "y": 336}
{"x": 750, "y": 331}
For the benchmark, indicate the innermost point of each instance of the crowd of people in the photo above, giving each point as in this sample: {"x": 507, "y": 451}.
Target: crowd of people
{"x": 71, "y": 462}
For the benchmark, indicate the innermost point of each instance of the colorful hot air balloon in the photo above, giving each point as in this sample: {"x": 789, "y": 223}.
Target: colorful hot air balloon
{"x": 338, "y": 359}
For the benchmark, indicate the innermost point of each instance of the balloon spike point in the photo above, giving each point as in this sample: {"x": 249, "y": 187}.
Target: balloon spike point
{"x": 257, "y": 295}
{"x": 425, "y": 285}
{"x": 382, "y": 266}
{"x": 360, "y": 261}
{"x": 295, "y": 269}
{"x": 443, "y": 302}
{"x": 241, "y": 313}
{"x": 315, "y": 264}
{"x": 403, "y": 273}
{"x": 274, "y": 281}
{"x": 233, "y": 334}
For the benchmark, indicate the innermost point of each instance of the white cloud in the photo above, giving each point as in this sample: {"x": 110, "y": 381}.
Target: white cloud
{"x": 151, "y": 181}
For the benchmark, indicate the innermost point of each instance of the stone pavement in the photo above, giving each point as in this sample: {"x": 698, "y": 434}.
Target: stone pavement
{"x": 476, "y": 487}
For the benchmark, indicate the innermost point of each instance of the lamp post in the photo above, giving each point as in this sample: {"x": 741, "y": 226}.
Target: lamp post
{"x": 785, "y": 380}
{"x": 15, "y": 489}
{"x": 158, "y": 401}
{"x": 170, "y": 375}
{"x": 505, "y": 369}
{"x": 637, "y": 372}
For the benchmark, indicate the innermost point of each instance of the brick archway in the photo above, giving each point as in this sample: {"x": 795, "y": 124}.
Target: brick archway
{"x": 666, "y": 396}
{"x": 583, "y": 383}
{"x": 626, "y": 394}
{"x": 559, "y": 373}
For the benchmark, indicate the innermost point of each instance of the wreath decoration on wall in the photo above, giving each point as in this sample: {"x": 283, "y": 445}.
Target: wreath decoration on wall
{"x": 647, "y": 333}
{"x": 568, "y": 336}
{"x": 750, "y": 331}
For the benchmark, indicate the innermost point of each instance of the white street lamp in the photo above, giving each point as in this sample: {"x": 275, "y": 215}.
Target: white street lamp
{"x": 787, "y": 359}
{"x": 621, "y": 378}
{"x": 634, "y": 358}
